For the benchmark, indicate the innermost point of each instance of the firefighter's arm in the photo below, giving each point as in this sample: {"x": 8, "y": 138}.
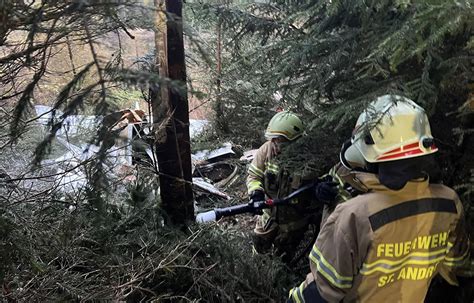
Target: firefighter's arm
{"x": 456, "y": 259}
{"x": 335, "y": 258}
{"x": 255, "y": 172}
{"x": 307, "y": 291}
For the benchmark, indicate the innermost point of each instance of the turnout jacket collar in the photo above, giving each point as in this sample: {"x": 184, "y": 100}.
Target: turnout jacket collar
{"x": 372, "y": 183}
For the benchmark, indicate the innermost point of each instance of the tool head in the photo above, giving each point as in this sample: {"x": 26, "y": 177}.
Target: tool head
{"x": 208, "y": 216}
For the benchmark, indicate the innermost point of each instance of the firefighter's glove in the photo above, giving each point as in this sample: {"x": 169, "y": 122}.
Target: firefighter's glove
{"x": 326, "y": 191}
{"x": 257, "y": 195}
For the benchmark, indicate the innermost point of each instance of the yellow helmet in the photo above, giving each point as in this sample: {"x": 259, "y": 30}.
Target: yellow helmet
{"x": 391, "y": 128}
{"x": 284, "y": 124}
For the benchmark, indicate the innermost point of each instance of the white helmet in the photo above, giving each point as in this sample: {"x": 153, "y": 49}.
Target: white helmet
{"x": 391, "y": 128}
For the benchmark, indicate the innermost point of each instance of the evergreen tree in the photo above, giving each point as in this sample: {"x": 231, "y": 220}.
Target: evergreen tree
{"x": 330, "y": 58}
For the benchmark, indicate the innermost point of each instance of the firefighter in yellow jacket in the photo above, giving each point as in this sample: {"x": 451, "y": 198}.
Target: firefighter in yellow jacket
{"x": 387, "y": 245}
{"x": 284, "y": 226}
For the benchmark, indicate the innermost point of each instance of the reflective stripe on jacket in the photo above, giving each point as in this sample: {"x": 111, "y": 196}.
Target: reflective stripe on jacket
{"x": 387, "y": 245}
{"x": 261, "y": 165}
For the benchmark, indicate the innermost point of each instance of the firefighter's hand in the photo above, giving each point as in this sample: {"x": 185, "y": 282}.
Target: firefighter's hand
{"x": 257, "y": 195}
{"x": 326, "y": 191}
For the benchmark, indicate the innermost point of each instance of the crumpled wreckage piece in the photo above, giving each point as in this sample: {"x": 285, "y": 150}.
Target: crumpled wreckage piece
{"x": 202, "y": 184}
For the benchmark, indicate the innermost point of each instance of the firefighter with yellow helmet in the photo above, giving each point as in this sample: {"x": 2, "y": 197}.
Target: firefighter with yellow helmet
{"x": 388, "y": 243}
{"x": 282, "y": 227}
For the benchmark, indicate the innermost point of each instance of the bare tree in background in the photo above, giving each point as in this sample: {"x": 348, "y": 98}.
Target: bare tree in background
{"x": 170, "y": 114}
{"x": 219, "y": 107}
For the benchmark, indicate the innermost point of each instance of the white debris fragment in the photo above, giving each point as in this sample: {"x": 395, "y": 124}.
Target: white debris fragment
{"x": 203, "y": 184}
{"x": 196, "y": 127}
{"x": 206, "y": 154}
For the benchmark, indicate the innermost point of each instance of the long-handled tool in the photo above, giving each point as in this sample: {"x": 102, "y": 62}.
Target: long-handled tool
{"x": 253, "y": 207}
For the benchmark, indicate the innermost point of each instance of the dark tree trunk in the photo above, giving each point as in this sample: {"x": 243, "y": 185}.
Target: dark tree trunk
{"x": 170, "y": 114}
{"x": 219, "y": 59}
{"x": 221, "y": 119}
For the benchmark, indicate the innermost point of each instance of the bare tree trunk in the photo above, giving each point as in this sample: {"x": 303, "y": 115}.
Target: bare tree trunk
{"x": 219, "y": 105}
{"x": 219, "y": 58}
{"x": 221, "y": 121}
{"x": 170, "y": 114}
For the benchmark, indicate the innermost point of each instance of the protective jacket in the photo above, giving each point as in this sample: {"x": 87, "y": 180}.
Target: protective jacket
{"x": 263, "y": 171}
{"x": 284, "y": 225}
{"x": 265, "y": 174}
{"x": 386, "y": 245}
